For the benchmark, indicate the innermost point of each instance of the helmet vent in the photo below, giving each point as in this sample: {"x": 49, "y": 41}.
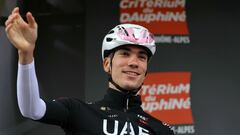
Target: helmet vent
{"x": 110, "y": 32}
{"x": 109, "y": 39}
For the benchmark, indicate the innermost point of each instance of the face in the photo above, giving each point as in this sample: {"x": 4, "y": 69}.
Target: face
{"x": 129, "y": 66}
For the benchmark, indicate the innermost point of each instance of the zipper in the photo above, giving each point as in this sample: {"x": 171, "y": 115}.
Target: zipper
{"x": 128, "y": 120}
{"x": 127, "y": 104}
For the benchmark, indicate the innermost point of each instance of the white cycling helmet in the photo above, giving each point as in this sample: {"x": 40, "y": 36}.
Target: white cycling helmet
{"x": 128, "y": 34}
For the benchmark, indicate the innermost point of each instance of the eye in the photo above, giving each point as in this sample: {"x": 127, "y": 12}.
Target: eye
{"x": 124, "y": 53}
{"x": 143, "y": 57}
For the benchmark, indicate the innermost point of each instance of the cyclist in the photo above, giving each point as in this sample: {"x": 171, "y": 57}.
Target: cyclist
{"x": 126, "y": 51}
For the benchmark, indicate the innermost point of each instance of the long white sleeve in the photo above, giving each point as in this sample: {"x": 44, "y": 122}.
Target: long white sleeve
{"x": 29, "y": 101}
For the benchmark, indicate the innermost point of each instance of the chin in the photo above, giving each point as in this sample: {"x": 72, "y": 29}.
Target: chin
{"x": 130, "y": 87}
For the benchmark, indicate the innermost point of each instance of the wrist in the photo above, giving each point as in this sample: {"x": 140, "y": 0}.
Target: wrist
{"x": 25, "y": 57}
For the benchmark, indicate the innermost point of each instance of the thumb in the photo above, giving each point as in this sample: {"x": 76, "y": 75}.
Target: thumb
{"x": 31, "y": 20}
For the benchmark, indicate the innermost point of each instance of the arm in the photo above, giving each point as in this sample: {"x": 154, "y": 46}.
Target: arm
{"x": 23, "y": 36}
{"x": 29, "y": 101}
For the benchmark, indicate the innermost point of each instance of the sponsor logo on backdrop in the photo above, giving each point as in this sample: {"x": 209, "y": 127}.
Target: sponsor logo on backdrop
{"x": 166, "y": 96}
{"x": 165, "y": 18}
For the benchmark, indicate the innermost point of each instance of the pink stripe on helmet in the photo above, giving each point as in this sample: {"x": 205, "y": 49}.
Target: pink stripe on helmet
{"x": 127, "y": 34}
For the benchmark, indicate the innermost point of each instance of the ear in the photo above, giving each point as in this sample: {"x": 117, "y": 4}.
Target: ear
{"x": 106, "y": 64}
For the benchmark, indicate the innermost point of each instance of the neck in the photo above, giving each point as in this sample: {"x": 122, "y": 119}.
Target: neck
{"x": 113, "y": 87}
{"x": 131, "y": 92}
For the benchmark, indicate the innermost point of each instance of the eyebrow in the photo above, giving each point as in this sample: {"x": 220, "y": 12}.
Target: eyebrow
{"x": 128, "y": 49}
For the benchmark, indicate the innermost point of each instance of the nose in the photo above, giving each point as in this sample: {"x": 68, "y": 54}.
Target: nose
{"x": 133, "y": 61}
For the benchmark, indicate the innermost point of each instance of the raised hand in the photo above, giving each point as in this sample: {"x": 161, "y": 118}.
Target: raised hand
{"x": 22, "y": 35}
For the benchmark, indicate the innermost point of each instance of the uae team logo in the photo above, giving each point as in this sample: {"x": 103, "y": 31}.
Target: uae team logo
{"x": 165, "y": 18}
{"x": 166, "y": 96}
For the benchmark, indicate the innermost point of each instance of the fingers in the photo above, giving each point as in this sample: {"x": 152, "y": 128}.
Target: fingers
{"x": 13, "y": 16}
{"x": 8, "y": 27}
{"x": 31, "y": 20}
{"x": 15, "y": 10}
{"x": 11, "y": 19}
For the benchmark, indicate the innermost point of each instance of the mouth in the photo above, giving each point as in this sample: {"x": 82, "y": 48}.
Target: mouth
{"x": 131, "y": 73}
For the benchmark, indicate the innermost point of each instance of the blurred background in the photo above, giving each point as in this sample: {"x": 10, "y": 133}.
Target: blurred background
{"x": 68, "y": 60}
